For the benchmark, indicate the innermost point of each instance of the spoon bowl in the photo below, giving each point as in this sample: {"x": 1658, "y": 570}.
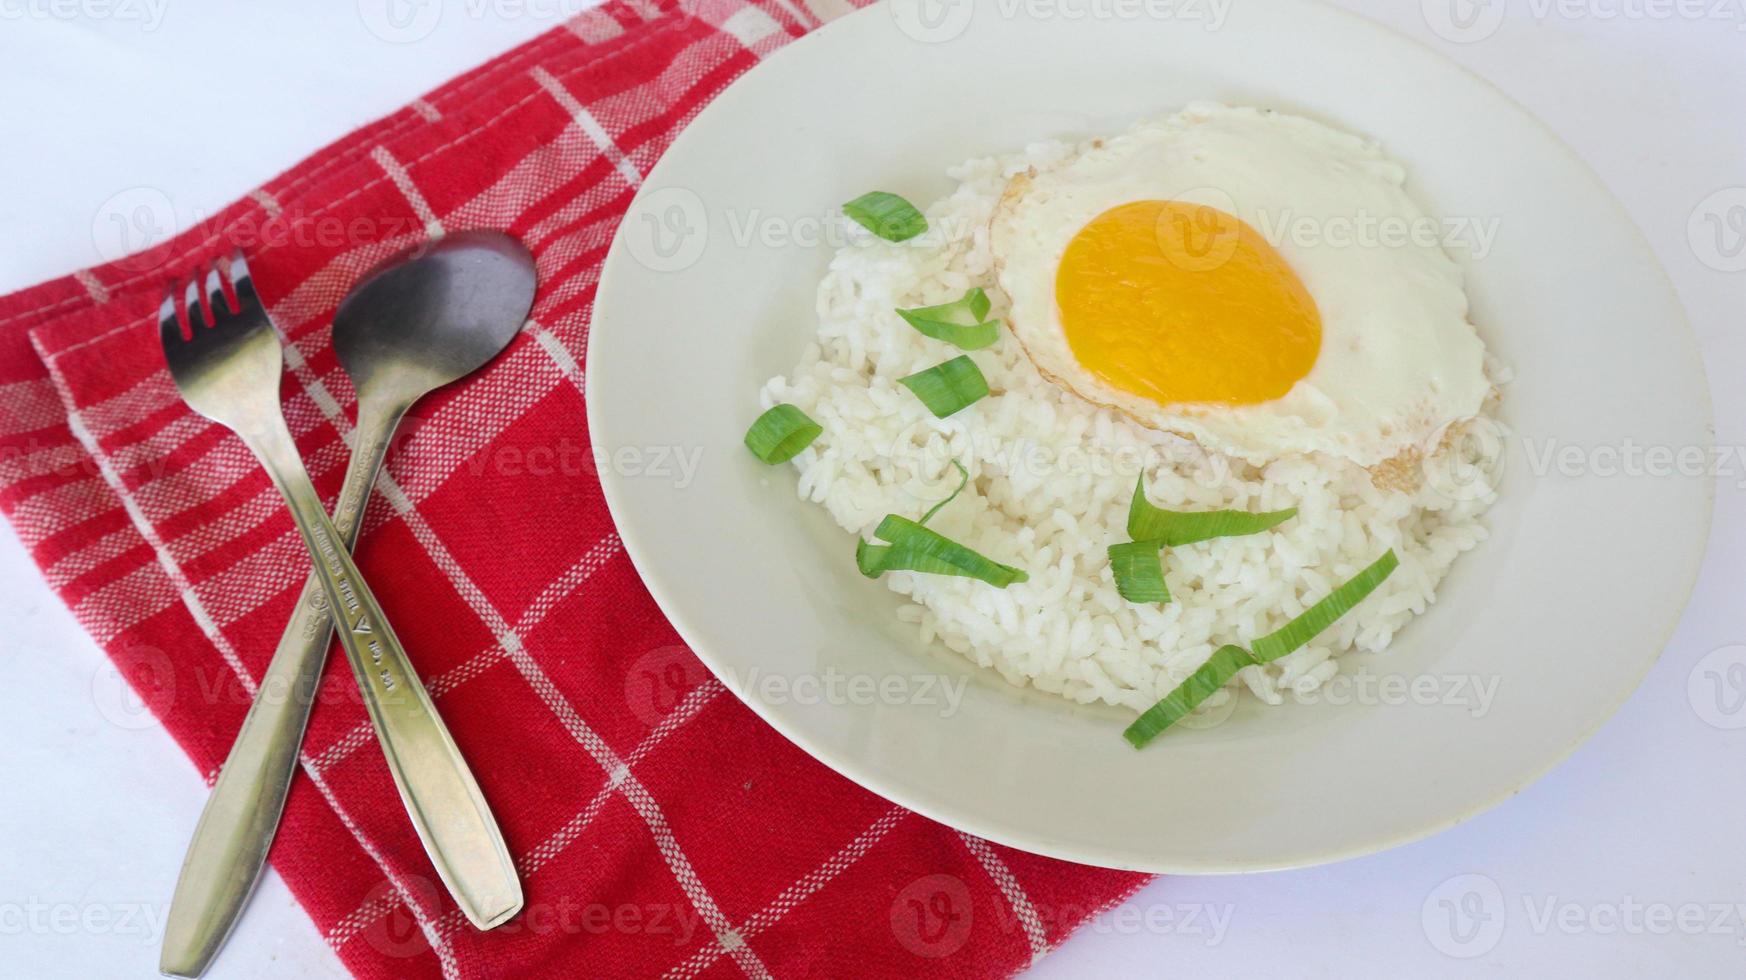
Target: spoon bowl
{"x": 434, "y": 314}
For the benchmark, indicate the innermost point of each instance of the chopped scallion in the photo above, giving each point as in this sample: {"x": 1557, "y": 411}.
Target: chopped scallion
{"x": 781, "y": 433}
{"x": 1138, "y": 567}
{"x": 886, "y": 215}
{"x": 959, "y": 323}
{"x": 948, "y": 388}
{"x": 1228, "y": 660}
{"x": 1150, "y": 523}
{"x": 964, "y": 481}
{"x": 1200, "y": 685}
{"x": 1322, "y": 615}
{"x": 914, "y": 548}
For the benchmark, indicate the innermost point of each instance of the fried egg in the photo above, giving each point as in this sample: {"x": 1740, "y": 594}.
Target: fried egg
{"x": 1258, "y": 282}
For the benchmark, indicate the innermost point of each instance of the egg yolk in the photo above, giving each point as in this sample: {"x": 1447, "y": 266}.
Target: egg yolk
{"x": 1180, "y": 302}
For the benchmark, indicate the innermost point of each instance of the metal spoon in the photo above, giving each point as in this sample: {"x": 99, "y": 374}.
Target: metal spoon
{"x": 422, "y": 320}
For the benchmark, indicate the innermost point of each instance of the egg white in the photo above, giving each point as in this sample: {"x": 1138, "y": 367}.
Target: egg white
{"x": 1399, "y": 359}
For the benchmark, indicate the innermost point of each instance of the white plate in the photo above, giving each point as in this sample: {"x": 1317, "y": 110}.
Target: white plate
{"x": 708, "y": 291}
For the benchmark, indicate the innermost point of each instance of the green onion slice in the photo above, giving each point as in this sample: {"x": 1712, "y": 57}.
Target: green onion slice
{"x": 781, "y": 433}
{"x": 948, "y": 388}
{"x": 964, "y": 481}
{"x": 914, "y": 548}
{"x": 959, "y": 323}
{"x": 1322, "y": 615}
{"x": 1149, "y": 523}
{"x": 886, "y": 215}
{"x": 1139, "y": 571}
{"x": 1227, "y": 660}
{"x": 1200, "y": 685}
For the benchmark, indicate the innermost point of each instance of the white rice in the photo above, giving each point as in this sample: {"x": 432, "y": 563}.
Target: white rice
{"x": 1051, "y": 481}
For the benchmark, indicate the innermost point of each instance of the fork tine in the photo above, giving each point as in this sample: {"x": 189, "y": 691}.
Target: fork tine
{"x": 215, "y": 301}
{"x": 196, "y": 314}
{"x": 169, "y": 326}
{"x": 242, "y": 283}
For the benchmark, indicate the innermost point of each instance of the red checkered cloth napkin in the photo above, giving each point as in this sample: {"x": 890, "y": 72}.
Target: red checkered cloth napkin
{"x": 660, "y": 827}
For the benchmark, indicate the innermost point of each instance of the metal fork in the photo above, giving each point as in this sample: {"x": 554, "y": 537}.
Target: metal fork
{"x": 228, "y": 370}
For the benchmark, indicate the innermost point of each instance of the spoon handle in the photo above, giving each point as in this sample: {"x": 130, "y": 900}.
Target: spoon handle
{"x": 447, "y": 809}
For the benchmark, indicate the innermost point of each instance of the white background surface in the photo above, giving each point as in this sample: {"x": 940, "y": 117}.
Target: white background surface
{"x": 1626, "y": 862}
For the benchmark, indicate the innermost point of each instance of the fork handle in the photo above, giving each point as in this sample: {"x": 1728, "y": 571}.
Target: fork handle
{"x": 241, "y": 815}
{"x": 447, "y": 808}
